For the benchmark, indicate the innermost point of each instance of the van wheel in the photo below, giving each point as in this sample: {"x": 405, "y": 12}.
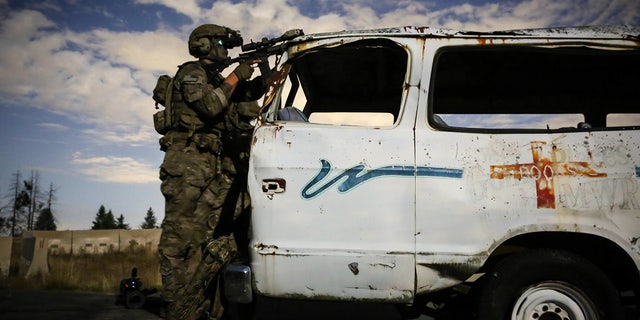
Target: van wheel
{"x": 547, "y": 284}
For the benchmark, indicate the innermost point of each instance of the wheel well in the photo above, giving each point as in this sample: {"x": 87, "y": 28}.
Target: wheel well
{"x": 604, "y": 253}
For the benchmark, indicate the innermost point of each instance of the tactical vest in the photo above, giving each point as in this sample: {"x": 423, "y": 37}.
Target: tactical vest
{"x": 177, "y": 115}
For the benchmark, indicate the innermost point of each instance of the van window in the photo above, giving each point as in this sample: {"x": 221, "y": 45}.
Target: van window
{"x": 512, "y": 121}
{"x": 523, "y": 88}
{"x": 359, "y": 83}
{"x": 623, "y": 119}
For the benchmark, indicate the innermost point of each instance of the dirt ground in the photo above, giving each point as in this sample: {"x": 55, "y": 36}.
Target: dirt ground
{"x": 18, "y": 304}
{"x": 53, "y": 304}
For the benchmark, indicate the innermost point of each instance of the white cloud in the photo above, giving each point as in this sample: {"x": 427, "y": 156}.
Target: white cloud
{"x": 53, "y": 126}
{"x": 115, "y": 169}
{"x": 93, "y": 77}
{"x": 515, "y": 15}
{"x": 260, "y": 18}
{"x": 189, "y": 8}
{"x": 121, "y": 135}
{"x": 104, "y": 78}
{"x": 158, "y": 51}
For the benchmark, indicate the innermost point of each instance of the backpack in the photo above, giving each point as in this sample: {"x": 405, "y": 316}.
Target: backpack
{"x": 162, "y": 94}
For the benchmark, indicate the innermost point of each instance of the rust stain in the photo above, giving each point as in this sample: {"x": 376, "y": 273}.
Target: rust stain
{"x": 418, "y": 29}
{"x": 483, "y": 41}
{"x": 544, "y": 171}
{"x": 275, "y": 81}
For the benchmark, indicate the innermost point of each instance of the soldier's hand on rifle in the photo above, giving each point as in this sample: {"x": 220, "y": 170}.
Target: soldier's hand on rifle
{"x": 244, "y": 70}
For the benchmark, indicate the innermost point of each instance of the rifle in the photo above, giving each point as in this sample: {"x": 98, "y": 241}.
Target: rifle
{"x": 260, "y": 51}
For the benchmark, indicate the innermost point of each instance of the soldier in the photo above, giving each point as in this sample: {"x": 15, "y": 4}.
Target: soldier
{"x": 195, "y": 181}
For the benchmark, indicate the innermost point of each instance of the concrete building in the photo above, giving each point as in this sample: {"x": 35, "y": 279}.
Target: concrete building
{"x": 6, "y": 244}
{"x": 38, "y": 245}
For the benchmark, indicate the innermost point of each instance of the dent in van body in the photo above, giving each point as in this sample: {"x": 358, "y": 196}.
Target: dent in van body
{"x": 452, "y": 270}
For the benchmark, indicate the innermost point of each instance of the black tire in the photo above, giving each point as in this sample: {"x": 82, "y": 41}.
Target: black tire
{"x": 547, "y": 284}
{"x": 134, "y": 299}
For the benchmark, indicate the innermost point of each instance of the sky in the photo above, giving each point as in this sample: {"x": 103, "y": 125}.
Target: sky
{"x": 76, "y": 78}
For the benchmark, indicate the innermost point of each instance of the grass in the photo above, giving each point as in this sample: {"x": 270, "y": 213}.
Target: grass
{"x": 91, "y": 272}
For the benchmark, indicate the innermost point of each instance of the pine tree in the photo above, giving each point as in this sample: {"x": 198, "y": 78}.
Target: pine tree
{"x": 32, "y": 187}
{"x": 150, "y": 221}
{"x": 104, "y": 220}
{"x": 5, "y": 226}
{"x": 25, "y": 204}
{"x": 17, "y": 200}
{"x": 120, "y": 223}
{"x": 45, "y": 220}
{"x": 98, "y": 223}
{"x": 110, "y": 221}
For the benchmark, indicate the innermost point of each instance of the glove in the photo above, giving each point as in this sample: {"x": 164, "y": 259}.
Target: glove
{"x": 244, "y": 71}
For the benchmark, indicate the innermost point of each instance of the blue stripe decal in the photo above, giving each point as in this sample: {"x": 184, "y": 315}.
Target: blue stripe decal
{"x": 358, "y": 174}
{"x": 439, "y": 172}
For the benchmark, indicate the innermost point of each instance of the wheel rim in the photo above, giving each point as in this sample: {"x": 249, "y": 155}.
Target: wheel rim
{"x": 553, "y": 301}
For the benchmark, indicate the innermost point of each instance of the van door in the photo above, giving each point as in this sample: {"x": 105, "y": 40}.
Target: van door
{"x": 331, "y": 175}
{"x": 533, "y": 137}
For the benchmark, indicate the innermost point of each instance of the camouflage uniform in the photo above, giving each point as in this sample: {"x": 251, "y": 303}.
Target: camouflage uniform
{"x": 195, "y": 183}
{"x": 237, "y": 142}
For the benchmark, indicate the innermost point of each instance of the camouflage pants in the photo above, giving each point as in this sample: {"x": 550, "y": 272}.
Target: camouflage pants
{"x": 189, "y": 256}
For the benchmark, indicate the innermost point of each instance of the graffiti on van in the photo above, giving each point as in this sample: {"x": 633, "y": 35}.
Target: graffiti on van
{"x": 544, "y": 171}
{"x": 604, "y": 191}
{"x": 359, "y": 174}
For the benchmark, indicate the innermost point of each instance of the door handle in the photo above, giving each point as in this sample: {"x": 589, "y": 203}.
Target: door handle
{"x": 273, "y": 186}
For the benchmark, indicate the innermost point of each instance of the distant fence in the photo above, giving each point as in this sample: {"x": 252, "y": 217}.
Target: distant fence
{"x": 35, "y": 246}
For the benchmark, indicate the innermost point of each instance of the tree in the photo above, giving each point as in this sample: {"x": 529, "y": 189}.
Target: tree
{"x": 19, "y": 200}
{"x": 32, "y": 188}
{"x": 4, "y": 221}
{"x": 51, "y": 195}
{"x": 120, "y": 223}
{"x": 15, "y": 187}
{"x": 150, "y": 220}
{"x": 98, "y": 222}
{"x": 45, "y": 220}
{"x": 24, "y": 205}
{"x": 5, "y": 225}
{"x": 104, "y": 220}
{"x": 110, "y": 221}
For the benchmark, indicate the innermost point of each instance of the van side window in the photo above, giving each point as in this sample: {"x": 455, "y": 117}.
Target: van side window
{"x": 358, "y": 83}
{"x": 623, "y": 119}
{"x": 528, "y": 89}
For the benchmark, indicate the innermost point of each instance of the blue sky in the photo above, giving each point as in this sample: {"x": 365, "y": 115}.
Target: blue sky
{"x": 76, "y": 77}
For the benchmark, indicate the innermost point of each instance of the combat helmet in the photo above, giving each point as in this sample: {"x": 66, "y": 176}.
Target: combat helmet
{"x": 200, "y": 39}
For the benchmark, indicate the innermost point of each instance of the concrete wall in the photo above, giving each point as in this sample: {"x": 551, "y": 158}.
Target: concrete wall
{"x": 5, "y": 255}
{"x": 37, "y": 245}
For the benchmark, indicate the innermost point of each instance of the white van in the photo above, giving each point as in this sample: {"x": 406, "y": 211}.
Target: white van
{"x": 400, "y": 165}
